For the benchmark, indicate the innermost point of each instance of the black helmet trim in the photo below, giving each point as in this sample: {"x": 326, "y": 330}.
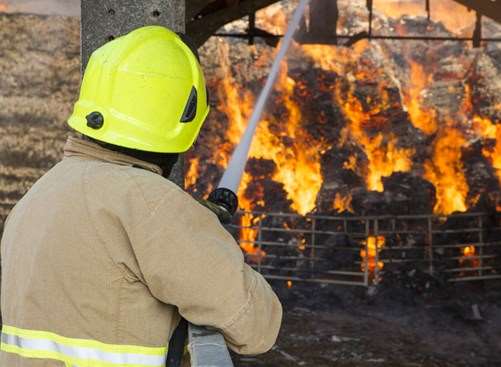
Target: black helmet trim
{"x": 190, "y": 111}
{"x": 191, "y": 45}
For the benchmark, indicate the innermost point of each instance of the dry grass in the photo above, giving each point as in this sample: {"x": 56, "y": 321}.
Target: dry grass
{"x": 39, "y": 77}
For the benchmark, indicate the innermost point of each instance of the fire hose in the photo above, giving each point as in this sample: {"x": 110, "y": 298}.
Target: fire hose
{"x": 223, "y": 201}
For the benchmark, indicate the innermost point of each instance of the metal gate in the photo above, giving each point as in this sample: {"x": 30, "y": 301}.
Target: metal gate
{"x": 360, "y": 250}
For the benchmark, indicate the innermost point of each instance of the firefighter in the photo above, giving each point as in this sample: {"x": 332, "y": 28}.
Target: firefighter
{"x": 104, "y": 255}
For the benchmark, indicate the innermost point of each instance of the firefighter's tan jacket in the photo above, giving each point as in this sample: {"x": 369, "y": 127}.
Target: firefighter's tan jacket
{"x": 101, "y": 257}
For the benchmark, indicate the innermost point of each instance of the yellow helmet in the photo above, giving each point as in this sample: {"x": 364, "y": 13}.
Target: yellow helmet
{"x": 145, "y": 91}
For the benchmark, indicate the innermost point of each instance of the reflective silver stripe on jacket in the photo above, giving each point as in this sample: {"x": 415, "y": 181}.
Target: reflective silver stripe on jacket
{"x": 83, "y": 353}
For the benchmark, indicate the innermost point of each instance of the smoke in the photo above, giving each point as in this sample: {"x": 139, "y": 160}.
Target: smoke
{"x": 46, "y": 7}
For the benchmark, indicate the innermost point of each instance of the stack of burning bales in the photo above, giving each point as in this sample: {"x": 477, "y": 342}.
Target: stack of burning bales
{"x": 381, "y": 127}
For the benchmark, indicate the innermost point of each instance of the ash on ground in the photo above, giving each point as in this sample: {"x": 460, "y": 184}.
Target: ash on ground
{"x": 412, "y": 320}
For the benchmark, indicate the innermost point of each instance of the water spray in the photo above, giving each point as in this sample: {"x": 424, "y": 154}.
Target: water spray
{"x": 233, "y": 174}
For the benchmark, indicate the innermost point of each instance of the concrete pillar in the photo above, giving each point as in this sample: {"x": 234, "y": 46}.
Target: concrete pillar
{"x": 104, "y": 20}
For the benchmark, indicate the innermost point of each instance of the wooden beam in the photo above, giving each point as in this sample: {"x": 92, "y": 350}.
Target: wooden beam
{"x": 194, "y": 7}
{"x": 488, "y": 8}
{"x": 200, "y": 30}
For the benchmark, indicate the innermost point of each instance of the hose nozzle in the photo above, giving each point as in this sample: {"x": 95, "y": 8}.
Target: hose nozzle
{"x": 225, "y": 198}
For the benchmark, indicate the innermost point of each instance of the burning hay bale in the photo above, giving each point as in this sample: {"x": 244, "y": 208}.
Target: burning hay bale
{"x": 382, "y": 127}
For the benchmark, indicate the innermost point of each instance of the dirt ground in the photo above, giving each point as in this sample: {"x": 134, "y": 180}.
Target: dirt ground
{"x": 343, "y": 327}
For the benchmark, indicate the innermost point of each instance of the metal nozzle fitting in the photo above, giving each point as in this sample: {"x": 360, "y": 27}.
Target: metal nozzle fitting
{"x": 224, "y": 198}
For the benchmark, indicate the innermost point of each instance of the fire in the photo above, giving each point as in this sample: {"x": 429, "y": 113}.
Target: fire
{"x": 286, "y": 137}
{"x": 248, "y": 237}
{"x": 298, "y": 163}
{"x": 192, "y": 173}
{"x": 446, "y": 172}
{"x": 486, "y": 129}
{"x": 301, "y": 245}
{"x": 370, "y": 252}
{"x": 455, "y": 17}
{"x": 494, "y": 155}
{"x": 272, "y": 19}
{"x": 422, "y": 118}
{"x": 3, "y": 7}
{"x": 382, "y": 151}
{"x": 351, "y": 163}
{"x": 469, "y": 257}
{"x": 294, "y": 152}
{"x": 469, "y": 251}
{"x": 248, "y": 223}
{"x": 235, "y": 104}
{"x": 335, "y": 59}
{"x": 289, "y": 284}
{"x": 383, "y": 154}
{"x": 343, "y": 203}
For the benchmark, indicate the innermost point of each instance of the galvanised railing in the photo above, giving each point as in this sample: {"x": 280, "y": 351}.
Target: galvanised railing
{"x": 328, "y": 249}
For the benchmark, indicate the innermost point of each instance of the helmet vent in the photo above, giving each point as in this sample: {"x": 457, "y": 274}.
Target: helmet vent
{"x": 190, "y": 111}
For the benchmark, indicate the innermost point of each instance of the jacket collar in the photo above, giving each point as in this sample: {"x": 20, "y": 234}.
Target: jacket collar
{"x": 78, "y": 147}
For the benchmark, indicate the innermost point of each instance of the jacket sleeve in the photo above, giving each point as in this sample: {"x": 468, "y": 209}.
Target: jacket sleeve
{"x": 189, "y": 260}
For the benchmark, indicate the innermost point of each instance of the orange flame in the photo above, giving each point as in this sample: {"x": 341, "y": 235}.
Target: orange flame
{"x": 455, "y": 17}
{"x": 335, "y": 59}
{"x": 469, "y": 257}
{"x": 192, "y": 173}
{"x": 298, "y": 159}
{"x": 298, "y": 163}
{"x": 297, "y": 155}
{"x": 446, "y": 172}
{"x": 343, "y": 203}
{"x": 421, "y": 118}
{"x": 372, "y": 247}
{"x": 486, "y": 129}
{"x": 248, "y": 223}
{"x": 351, "y": 163}
{"x": 272, "y": 19}
{"x": 383, "y": 155}
{"x": 236, "y": 104}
